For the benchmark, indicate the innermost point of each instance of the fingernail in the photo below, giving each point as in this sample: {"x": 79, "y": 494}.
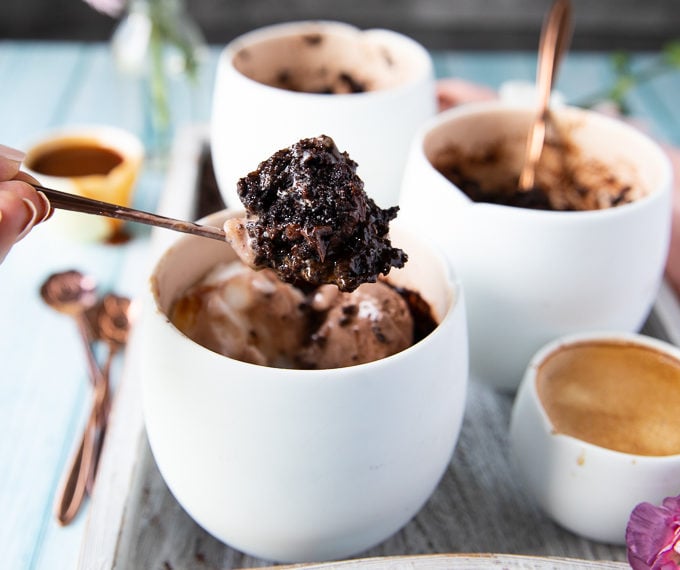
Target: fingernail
{"x": 33, "y": 216}
{"x": 48, "y": 207}
{"x": 11, "y": 153}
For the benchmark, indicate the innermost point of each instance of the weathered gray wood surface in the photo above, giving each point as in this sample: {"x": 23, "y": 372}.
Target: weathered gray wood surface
{"x": 438, "y": 24}
{"x": 478, "y": 507}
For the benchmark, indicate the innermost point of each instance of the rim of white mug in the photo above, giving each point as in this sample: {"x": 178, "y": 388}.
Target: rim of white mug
{"x": 609, "y": 336}
{"x": 449, "y": 115}
{"x": 283, "y": 29}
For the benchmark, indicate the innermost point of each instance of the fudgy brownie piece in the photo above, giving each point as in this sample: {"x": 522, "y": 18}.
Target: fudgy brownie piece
{"x": 536, "y": 198}
{"x": 565, "y": 179}
{"x": 310, "y": 219}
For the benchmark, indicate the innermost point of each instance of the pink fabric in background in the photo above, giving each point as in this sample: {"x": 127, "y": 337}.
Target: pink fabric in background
{"x": 452, "y": 92}
{"x": 673, "y": 263}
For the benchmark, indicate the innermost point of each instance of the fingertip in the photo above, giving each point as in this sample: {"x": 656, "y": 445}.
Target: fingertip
{"x": 12, "y": 154}
{"x": 17, "y": 217}
{"x": 25, "y": 177}
{"x": 32, "y": 219}
{"x": 48, "y": 210}
{"x": 10, "y": 162}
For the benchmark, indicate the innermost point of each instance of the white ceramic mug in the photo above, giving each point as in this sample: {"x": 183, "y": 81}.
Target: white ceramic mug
{"x": 252, "y": 119}
{"x": 529, "y": 275}
{"x": 587, "y": 488}
{"x": 301, "y": 465}
{"x": 101, "y": 162}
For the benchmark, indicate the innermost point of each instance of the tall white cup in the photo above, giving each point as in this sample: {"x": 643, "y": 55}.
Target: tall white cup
{"x": 530, "y": 275}
{"x": 302, "y": 465}
{"x": 258, "y": 107}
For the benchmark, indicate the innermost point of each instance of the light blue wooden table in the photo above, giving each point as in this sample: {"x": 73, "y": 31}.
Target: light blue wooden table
{"x": 44, "y": 392}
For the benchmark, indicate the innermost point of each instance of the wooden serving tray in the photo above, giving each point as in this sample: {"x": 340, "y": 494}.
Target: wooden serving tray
{"x": 479, "y": 506}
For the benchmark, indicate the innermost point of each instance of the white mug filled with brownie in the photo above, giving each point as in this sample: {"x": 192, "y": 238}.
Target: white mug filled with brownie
{"x": 305, "y": 410}
{"x": 369, "y": 90}
{"x": 583, "y": 250}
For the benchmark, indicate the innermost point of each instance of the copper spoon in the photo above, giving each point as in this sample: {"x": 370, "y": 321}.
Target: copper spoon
{"x": 112, "y": 326}
{"x": 72, "y": 293}
{"x": 555, "y": 37}
{"x": 74, "y": 203}
{"x": 74, "y": 487}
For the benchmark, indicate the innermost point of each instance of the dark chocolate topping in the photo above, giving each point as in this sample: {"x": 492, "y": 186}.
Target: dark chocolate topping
{"x": 311, "y": 221}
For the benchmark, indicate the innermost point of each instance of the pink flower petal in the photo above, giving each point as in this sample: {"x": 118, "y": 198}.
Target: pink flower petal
{"x": 653, "y": 534}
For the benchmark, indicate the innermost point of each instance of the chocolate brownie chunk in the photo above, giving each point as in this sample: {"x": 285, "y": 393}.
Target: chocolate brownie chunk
{"x": 311, "y": 221}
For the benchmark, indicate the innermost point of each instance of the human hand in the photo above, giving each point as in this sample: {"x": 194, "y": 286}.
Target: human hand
{"x": 21, "y": 206}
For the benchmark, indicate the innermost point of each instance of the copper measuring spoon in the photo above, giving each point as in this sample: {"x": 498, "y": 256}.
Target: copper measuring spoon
{"x": 555, "y": 37}
{"x": 113, "y": 328}
{"x": 74, "y": 487}
{"x": 72, "y": 293}
{"x": 66, "y": 201}
{"x": 112, "y": 325}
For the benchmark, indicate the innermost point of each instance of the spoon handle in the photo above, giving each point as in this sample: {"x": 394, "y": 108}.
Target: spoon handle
{"x": 554, "y": 41}
{"x": 74, "y": 489}
{"x": 101, "y": 409}
{"x": 74, "y": 203}
{"x": 80, "y": 479}
{"x": 95, "y": 373}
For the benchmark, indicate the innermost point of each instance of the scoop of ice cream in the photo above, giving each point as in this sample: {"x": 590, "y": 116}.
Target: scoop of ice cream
{"x": 252, "y": 316}
{"x": 370, "y": 323}
{"x": 245, "y": 314}
{"x": 309, "y": 219}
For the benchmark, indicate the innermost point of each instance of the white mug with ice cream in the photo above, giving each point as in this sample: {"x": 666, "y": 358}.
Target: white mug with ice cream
{"x": 301, "y": 464}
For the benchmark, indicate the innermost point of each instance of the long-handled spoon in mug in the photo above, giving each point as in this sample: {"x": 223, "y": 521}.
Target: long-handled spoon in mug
{"x": 553, "y": 44}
